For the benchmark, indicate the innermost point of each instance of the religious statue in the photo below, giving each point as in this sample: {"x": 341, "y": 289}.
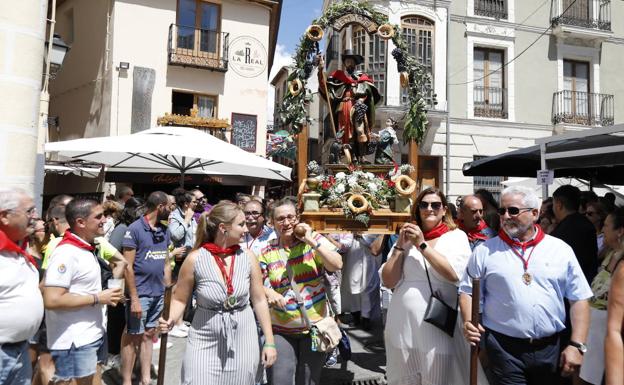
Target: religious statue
{"x": 385, "y": 139}
{"x": 352, "y": 96}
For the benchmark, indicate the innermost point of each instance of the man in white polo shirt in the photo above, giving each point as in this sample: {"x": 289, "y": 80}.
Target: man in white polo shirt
{"x": 21, "y": 306}
{"x": 73, "y": 296}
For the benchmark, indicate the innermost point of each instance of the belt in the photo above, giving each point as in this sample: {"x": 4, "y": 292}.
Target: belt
{"x": 12, "y": 344}
{"x": 543, "y": 341}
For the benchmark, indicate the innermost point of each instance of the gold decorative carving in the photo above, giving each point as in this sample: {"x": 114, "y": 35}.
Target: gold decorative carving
{"x": 369, "y": 25}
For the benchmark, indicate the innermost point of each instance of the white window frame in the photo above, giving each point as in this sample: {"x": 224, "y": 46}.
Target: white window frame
{"x": 587, "y": 54}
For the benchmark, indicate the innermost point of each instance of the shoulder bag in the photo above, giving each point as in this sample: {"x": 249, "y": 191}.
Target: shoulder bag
{"x": 439, "y": 313}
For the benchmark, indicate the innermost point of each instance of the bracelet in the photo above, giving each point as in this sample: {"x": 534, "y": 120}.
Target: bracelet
{"x": 95, "y": 299}
{"x": 318, "y": 244}
{"x": 399, "y": 248}
{"x": 270, "y": 346}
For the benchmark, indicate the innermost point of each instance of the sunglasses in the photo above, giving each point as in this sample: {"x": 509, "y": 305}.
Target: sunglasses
{"x": 425, "y": 205}
{"x": 254, "y": 214}
{"x": 513, "y": 211}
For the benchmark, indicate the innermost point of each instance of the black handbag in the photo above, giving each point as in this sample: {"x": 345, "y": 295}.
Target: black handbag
{"x": 439, "y": 313}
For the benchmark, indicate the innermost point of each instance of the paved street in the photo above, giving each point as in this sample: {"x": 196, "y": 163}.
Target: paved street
{"x": 367, "y": 365}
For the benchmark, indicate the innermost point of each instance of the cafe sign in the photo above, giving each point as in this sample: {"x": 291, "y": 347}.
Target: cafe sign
{"x": 248, "y": 57}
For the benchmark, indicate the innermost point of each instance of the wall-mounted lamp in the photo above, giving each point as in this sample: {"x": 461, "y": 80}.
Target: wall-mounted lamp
{"x": 124, "y": 65}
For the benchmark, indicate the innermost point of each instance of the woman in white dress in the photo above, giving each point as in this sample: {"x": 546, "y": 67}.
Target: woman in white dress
{"x": 419, "y": 353}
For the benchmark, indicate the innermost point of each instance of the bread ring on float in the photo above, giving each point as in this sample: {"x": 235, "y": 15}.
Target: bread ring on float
{"x": 404, "y": 79}
{"x": 385, "y": 31}
{"x": 363, "y": 203}
{"x": 314, "y": 32}
{"x": 295, "y": 87}
{"x": 410, "y": 185}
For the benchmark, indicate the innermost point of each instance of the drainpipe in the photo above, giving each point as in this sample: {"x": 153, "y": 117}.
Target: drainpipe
{"x": 447, "y": 181}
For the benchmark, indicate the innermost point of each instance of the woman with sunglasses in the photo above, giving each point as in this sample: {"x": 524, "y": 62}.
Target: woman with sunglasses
{"x": 220, "y": 348}
{"x": 418, "y": 352}
{"x": 304, "y": 257}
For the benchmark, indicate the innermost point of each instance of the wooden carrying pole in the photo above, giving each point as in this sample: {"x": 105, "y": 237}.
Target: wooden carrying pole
{"x": 162, "y": 358}
{"x": 327, "y": 98}
{"x": 474, "y": 350}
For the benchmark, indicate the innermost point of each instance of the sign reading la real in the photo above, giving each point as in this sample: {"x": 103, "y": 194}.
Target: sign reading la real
{"x": 248, "y": 57}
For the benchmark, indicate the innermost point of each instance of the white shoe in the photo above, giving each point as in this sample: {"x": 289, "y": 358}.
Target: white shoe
{"x": 178, "y": 332}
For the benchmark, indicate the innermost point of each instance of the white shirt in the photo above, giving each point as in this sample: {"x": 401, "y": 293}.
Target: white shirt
{"x": 360, "y": 268}
{"x": 256, "y": 245}
{"x": 21, "y": 304}
{"x": 78, "y": 271}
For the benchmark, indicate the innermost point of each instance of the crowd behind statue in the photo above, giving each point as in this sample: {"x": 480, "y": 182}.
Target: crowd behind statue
{"x": 82, "y": 288}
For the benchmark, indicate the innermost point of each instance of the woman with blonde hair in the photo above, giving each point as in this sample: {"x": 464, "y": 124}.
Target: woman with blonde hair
{"x": 220, "y": 348}
{"x": 430, "y": 255}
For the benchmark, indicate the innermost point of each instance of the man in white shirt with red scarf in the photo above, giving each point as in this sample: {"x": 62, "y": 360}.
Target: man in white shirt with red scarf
{"x": 74, "y": 298}
{"x": 525, "y": 277}
{"x": 21, "y": 306}
{"x": 471, "y": 221}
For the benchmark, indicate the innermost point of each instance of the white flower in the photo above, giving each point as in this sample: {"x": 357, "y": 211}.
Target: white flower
{"x": 339, "y": 188}
{"x": 372, "y": 187}
{"x": 369, "y": 175}
{"x": 352, "y": 180}
{"x": 340, "y": 175}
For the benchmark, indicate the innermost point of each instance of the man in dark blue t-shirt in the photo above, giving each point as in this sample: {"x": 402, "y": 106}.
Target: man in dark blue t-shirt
{"x": 146, "y": 248}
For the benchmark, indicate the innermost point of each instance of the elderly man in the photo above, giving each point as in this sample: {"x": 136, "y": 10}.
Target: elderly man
{"x": 525, "y": 277}
{"x": 258, "y": 233}
{"x": 472, "y": 222}
{"x": 21, "y": 305}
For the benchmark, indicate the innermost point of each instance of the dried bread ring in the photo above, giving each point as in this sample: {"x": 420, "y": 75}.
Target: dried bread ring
{"x": 314, "y": 32}
{"x": 404, "y": 180}
{"x": 295, "y": 87}
{"x": 385, "y": 31}
{"x": 357, "y": 203}
{"x": 404, "y": 79}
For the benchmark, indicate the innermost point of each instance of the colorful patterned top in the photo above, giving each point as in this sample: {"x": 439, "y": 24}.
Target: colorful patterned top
{"x": 602, "y": 282}
{"x": 307, "y": 268}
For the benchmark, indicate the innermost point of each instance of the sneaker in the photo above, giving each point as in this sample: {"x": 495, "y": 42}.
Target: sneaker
{"x": 178, "y": 332}
{"x": 332, "y": 358}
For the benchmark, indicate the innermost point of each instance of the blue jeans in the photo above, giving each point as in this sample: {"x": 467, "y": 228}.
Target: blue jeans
{"x": 15, "y": 366}
{"x": 151, "y": 307}
{"x": 77, "y": 362}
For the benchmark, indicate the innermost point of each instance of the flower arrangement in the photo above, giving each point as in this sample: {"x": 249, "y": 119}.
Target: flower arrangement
{"x": 314, "y": 168}
{"x": 357, "y": 192}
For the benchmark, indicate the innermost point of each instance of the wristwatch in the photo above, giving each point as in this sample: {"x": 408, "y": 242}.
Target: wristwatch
{"x": 579, "y": 345}
{"x": 422, "y": 246}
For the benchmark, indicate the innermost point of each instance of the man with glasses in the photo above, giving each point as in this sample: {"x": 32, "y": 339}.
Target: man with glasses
{"x": 471, "y": 221}
{"x": 21, "y": 305}
{"x": 525, "y": 277}
{"x": 146, "y": 248}
{"x": 202, "y": 203}
{"x": 259, "y": 234}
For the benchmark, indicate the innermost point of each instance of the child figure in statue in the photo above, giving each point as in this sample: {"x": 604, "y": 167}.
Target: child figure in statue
{"x": 386, "y": 138}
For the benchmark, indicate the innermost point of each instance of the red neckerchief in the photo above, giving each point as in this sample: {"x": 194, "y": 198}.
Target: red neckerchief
{"x": 475, "y": 233}
{"x": 344, "y": 77}
{"x": 71, "y": 239}
{"x": 8, "y": 245}
{"x": 513, "y": 244}
{"x": 436, "y": 232}
{"x": 216, "y": 251}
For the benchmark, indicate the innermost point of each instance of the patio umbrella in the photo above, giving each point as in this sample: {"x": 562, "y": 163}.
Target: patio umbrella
{"x": 163, "y": 149}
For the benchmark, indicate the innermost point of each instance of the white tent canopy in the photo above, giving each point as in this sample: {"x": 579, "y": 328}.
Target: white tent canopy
{"x": 165, "y": 149}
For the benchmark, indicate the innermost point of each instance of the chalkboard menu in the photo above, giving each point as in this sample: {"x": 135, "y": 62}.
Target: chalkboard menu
{"x": 244, "y": 130}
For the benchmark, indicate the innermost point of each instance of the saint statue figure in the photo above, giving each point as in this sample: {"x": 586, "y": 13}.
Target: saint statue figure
{"x": 352, "y": 97}
{"x": 385, "y": 139}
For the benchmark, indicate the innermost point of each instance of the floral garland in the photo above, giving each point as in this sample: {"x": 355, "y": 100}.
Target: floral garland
{"x": 378, "y": 190}
{"x": 293, "y": 112}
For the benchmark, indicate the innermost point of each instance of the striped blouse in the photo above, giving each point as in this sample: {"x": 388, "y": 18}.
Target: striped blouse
{"x": 307, "y": 268}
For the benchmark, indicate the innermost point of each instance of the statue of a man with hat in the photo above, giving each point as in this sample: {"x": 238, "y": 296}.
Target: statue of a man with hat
{"x": 352, "y": 96}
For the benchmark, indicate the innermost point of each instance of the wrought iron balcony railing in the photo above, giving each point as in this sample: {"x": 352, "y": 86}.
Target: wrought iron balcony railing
{"x": 584, "y": 108}
{"x": 491, "y": 8}
{"x": 490, "y": 102}
{"x": 196, "y": 47}
{"x": 592, "y": 14}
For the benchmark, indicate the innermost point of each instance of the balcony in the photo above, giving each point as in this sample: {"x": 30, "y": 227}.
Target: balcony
{"x": 491, "y": 8}
{"x": 582, "y": 108}
{"x": 195, "y": 47}
{"x": 582, "y": 19}
{"x": 490, "y": 102}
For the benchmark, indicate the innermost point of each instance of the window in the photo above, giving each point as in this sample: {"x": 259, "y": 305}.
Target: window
{"x": 576, "y": 87}
{"x": 492, "y": 184}
{"x": 198, "y": 26}
{"x": 418, "y": 33}
{"x": 491, "y": 8}
{"x": 182, "y": 103}
{"x": 489, "y": 95}
{"x": 373, "y": 49}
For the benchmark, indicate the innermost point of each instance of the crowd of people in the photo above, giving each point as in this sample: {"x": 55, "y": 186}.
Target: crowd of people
{"x": 83, "y": 288}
